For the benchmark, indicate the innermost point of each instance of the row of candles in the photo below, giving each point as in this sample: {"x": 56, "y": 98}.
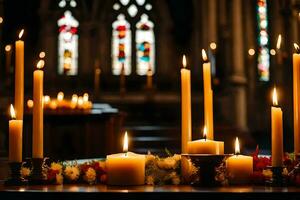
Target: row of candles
{"x": 76, "y": 102}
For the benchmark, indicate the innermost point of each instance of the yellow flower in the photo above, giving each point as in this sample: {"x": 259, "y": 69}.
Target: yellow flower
{"x": 72, "y": 172}
{"x": 57, "y": 167}
{"x": 102, "y": 164}
{"x": 59, "y": 179}
{"x": 90, "y": 175}
{"x": 149, "y": 180}
{"x": 25, "y": 172}
{"x": 267, "y": 173}
{"x": 167, "y": 163}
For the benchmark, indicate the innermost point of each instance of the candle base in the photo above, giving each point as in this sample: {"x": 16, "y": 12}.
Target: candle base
{"x": 37, "y": 177}
{"x": 277, "y": 179}
{"x": 15, "y": 178}
{"x": 206, "y": 165}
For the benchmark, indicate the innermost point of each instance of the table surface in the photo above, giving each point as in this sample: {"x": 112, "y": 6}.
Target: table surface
{"x": 83, "y": 191}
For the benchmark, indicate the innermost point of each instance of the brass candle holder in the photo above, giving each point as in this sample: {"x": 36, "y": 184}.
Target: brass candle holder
{"x": 206, "y": 165}
{"x": 15, "y": 178}
{"x": 37, "y": 177}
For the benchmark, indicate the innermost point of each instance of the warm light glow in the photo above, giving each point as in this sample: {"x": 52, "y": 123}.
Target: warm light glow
{"x": 46, "y": 99}
{"x": 98, "y": 71}
{"x": 213, "y": 45}
{"x": 278, "y": 44}
{"x": 251, "y": 52}
{"x": 29, "y": 103}
{"x": 237, "y": 146}
{"x": 12, "y": 112}
{"x": 40, "y": 64}
{"x": 21, "y": 33}
{"x": 273, "y": 52}
{"x": 60, "y": 96}
{"x": 80, "y": 101}
{"x": 85, "y": 97}
{"x": 74, "y": 98}
{"x": 275, "y": 100}
{"x": 204, "y": 56}
{"x": 184, "y": 61}
{"x": 296, "y": 47}
{"x": 125, "y": 142}
{"x": 205, "y": 132}
{"x": 42, "y": 54}
{"x": 8, "y": 47}
{"x": 1, "y": 20}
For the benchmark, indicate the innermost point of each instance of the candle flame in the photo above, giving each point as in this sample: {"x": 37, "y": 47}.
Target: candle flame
{"x": 85, "y": 97}
{"x": 80, "y": 101}
{"x": 21, "y": 33}
{"x": 184, "y": 61}
{"x": 204, "y": 56}
{"x": 237, "y": 146}
{"x": 275, "y": 100}
{"x": 74, "y": 98}
{"x": 125, "y": 142}
{"x": 12, "y": 112}
{"x": 278, "y": 44}
{"x": 60, "y": 96}
{"x": 296, "y": 46}
{"x": 204, "y": 132}
{"x": 47, "y": 99}
{"x": 40, "y": 64}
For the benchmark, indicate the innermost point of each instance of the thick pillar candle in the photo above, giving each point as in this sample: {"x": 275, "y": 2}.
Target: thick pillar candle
{"x": 15, "y": 137}
{"x": 277, "y": 133}
{"x": 296, "y": 99}
{"x": 239, "y": 167}
{"x": 208, "y": 97}
{"x": 19, "y": 77}
{"x": 38, "y": 115}
{"x": 186, "y": 116}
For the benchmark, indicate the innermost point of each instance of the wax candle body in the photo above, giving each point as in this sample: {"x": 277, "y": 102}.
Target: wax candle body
{"x": 296, "y": 98}
{"x": 204, "y": 146}
{"x": 277, "y": 137}
{"x": 37, "y": 137}
{"x": 186, "y": 116}
{"x": 19, "y": 79}
{"x": 149, "y": 79}
{"x": 126, "y": 169}
{"x": 208, "y": 100}
{"x": 239, "y": 168}
{"x": 220, "y": 147}
{"x": 15, "y": 140}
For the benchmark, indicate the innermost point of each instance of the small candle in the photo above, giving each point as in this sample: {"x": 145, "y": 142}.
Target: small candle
{"x": 38, "y": 114}
{"x": 205, "y": 146}
{"x": 239, "y": 167}
{"x": 47, "y": 100}
{"x": 80, "y": 102}
{"x": 149, "y": 78}
{"x": 277, "y": 133}
{"x": 125, "y": 168}
{"x": 19, "y": 77}
{"x": 208, "y": 97}
{"x": 15, "y": 137}
{"x": 60, "y": 99}
{"x": 74, "y": 101}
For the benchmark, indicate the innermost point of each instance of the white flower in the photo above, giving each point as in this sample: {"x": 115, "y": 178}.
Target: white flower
{"x": 25, "y": 172}
{"x": 72, "y": 172}
{"x": 57, "y": 167}
{"x": 59, "y": 179}
{"x": 90, "y": 175}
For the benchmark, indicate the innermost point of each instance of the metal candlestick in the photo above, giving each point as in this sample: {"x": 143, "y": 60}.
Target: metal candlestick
{"x": 37, "y": 177}
{"x": 15, "y": 175}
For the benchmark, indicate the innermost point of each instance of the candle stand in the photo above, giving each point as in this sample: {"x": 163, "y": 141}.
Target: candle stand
{"x": 15, "y": 178}
{"x": 206, "y": 165}
{"x": 277, "y": 179}
{"x": 37, "y": 177}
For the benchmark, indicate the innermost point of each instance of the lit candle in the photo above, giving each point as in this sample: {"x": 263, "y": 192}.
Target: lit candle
{"x": 74, "y": 101}
{"x": 122, "y": 78}
{"x": 47, "y": 100}
{"x": 38, "y": 115}
{"x": 8, "y": 52}
{"x": 15, "y": 137}
{"x": 205, "y": 146}
{"x": 149, "y": 78}
{"x": 296, "y": 95}
{"x": 277, "y": 133}
{"x": 186, "y": 116}
{"x": 125, "y": 168}
{"x": 19, "y": 77}
{"x": 60, "y": 99}
{"x": 208, "y": 97}
{"x": 80, "y": 102}
{"x": 239, "y": 167}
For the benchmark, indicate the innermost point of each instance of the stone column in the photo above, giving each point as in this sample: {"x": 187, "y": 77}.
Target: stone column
{"x": 238, "y": 78}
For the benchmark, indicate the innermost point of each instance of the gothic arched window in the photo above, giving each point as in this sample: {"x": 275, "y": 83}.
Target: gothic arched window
{"x": 132, "y": 17}
{"x": 68, "y": 44}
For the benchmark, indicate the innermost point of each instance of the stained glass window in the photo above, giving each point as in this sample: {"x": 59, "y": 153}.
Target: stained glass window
{"x": 68, "y": 44}
{"x": 263, "y": 41}
{"x": 121, "y": 46}
{"x": 145, "y": 46}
